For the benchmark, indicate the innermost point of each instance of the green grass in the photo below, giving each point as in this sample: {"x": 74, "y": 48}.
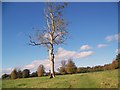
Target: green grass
{"x": 104, "y": 79}
{"x": 0, "y": 83}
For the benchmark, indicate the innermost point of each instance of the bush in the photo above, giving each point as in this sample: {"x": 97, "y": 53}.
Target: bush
{"x": 5, "y": 76}
{"x": 34, "y": 74}
{"x": 19, "y": 74}
{"x": 81, "y": 70}
{"x": 62, "y": 70}
{"x": 25, "y": 73}
{"x": 40, "y": 70}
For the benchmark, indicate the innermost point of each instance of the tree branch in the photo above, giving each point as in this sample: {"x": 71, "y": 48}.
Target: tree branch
{"x": 56, "y": 36}
{"x": 33, "y": 43}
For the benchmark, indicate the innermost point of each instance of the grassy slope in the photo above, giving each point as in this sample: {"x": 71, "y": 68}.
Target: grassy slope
{"x": 105, "y": 79}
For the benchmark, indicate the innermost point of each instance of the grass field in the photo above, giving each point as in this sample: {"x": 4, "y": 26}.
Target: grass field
{"x": 104, "y": 79}
{"x": 0, "y": 84}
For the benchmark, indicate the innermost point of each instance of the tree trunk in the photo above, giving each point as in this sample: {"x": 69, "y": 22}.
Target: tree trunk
{"x": 52, "y": 74}
{"x": 51, "y": 57}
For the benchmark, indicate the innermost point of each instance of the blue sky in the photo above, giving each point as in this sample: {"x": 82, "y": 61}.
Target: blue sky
{"x": 93, "y": 28}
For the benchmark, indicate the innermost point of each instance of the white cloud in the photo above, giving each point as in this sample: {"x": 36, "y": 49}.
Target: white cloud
{"x": 85, "y": 47}
{"x": 84, "y": 54}
{"x": 30, "y": 66}
{"x": 65, "y": 54}
{"x": 34, "y": 65}
{"x": 60, "y": 55}
{"x": 113, "y": 37}
{"x": 7, "y": 70}
{"x": 101, "y": 45}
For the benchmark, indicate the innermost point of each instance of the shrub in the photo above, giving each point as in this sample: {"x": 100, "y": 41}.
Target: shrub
{"x": 19, "y": 74}
{"x": 25, "y": 73}
{"x": 34, "y": 74}
{"x": 62, "y": 70}
{"x": 5, "y": 76}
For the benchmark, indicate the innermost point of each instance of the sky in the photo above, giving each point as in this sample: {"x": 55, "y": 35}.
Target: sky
{"x": 92, "y": 39}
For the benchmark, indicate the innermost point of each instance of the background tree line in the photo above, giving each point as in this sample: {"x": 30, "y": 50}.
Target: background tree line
{"x": 67, "y": 67}
{"x": 70, "y": 68}
{"x": 25, "y": 73}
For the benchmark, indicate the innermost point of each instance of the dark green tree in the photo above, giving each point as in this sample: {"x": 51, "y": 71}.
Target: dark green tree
{"x": 25, "y": 73}
{"x": 5, "y": 76}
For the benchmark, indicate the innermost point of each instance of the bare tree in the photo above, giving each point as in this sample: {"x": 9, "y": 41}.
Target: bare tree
{"x": 62, "y": 69}
{"x": 63, "y": 63}
{"x": 54, "y": 32}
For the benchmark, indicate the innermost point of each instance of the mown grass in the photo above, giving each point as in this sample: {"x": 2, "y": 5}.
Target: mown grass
{"x": 104, "y": 79}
